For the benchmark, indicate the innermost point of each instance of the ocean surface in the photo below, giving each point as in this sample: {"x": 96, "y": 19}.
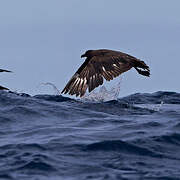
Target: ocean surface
{"x": 51, "y": 137}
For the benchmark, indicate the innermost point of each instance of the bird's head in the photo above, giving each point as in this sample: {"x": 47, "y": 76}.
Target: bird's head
{"x": 87, "y": 54}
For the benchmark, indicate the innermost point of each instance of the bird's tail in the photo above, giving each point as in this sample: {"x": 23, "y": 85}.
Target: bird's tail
{"x": 141, "y": 67}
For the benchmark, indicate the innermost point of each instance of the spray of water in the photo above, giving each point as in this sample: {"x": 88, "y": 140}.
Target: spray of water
{"x": 95, "y": 96}
{"x": 103, "y": 94}
{"x": 56, "y": 90}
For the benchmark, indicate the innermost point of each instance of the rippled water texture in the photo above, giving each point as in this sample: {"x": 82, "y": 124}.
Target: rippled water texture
{"x": 48, "y": 137}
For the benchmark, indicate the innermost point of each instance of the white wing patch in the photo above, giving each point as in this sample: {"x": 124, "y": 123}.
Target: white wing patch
{"x": 77, "y": 81}
{"x": 85, "y": 80}
{"x": 94, "y": 77}
{"x": 81, "y": 81}
{"x": 103, "y": 68}
{"x": 115, "y": 65}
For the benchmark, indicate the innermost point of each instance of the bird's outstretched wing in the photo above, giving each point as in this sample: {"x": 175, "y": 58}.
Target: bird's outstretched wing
{"x": 3, "y": 70}
{"x": 91, "y": 73}
{"x": 3, "y": 88}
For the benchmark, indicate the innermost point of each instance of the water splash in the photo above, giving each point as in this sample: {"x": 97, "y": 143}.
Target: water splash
{"x": 153, "y": 107}
{"x": 95, "y": 96}
{"x": 159, "y": 106}
{"x": 56, "y": 90}
{"x": 103, "y": 94}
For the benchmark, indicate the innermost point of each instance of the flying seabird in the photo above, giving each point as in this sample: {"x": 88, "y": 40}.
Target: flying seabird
{"x": 3, "y": 70}
{"x": 1, "y": 87}
{"x": 99, "y": 64}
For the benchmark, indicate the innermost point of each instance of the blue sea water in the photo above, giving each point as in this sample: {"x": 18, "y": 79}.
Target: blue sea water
{"x": 48, "y": 137}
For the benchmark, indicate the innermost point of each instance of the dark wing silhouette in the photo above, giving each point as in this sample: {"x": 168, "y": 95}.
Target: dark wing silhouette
{"x": 91, "y": 73}
{"x": 3, "y": 88}
{"x": 3, "y": 70}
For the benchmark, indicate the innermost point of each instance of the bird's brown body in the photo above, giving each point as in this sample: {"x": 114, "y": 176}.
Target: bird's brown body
{"x": 100, "y": 64}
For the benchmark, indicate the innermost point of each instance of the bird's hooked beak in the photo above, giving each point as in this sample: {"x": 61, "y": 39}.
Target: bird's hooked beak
{"x": 83, "y": 55}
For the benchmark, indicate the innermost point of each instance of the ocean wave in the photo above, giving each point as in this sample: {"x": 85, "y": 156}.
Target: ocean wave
{"x": 121, "y": 146}
{"x": 56, "y": 137}
{"x": 6, "y": 98}
{"x": 153, "y": 98}
{"x": 173, "y": 138}
{"x": 37, "y": 165}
